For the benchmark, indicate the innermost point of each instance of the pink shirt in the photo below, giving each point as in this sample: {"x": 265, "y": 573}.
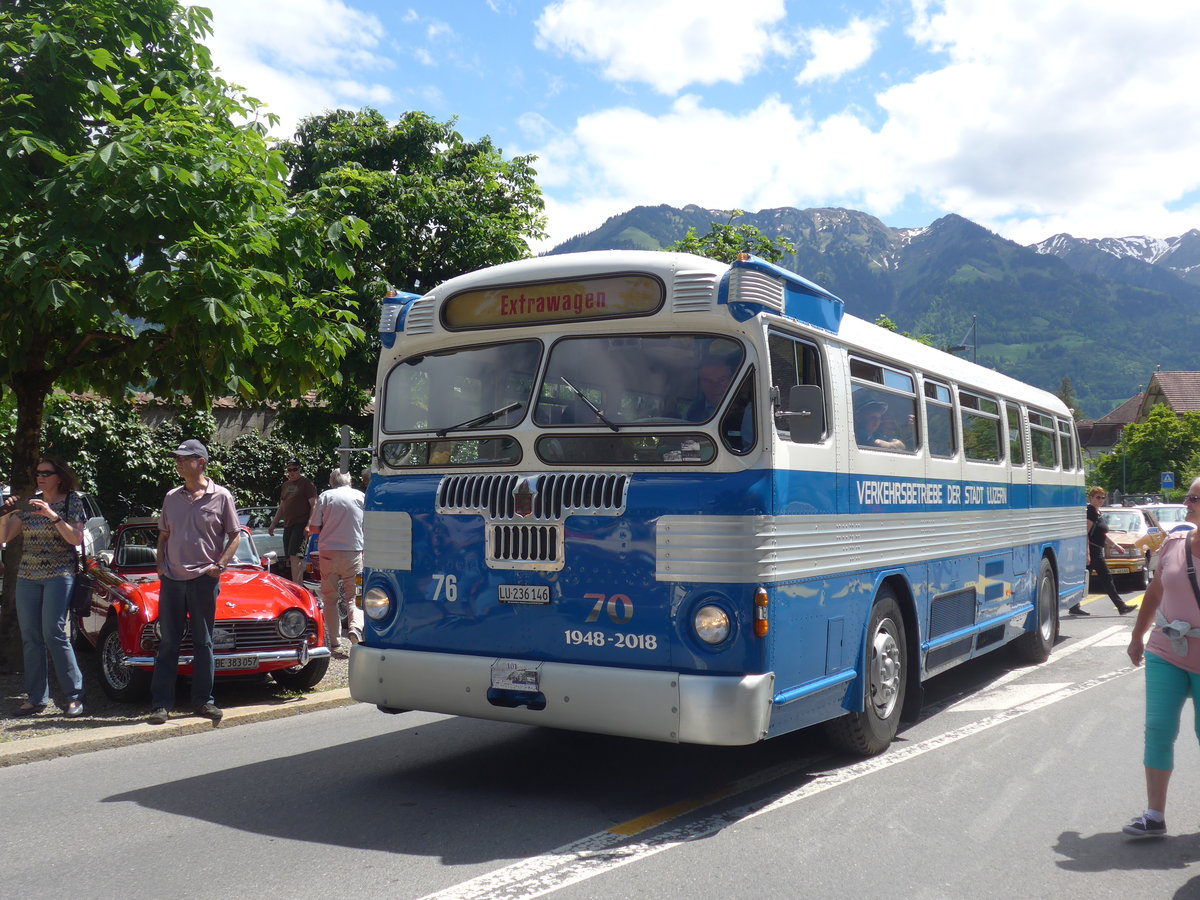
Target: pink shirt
{"x": 198, "y": 530}
{"x": 1178, "y": 601}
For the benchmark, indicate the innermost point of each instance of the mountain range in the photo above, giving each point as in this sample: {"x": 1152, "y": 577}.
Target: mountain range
{"x": 1100, "y": 312}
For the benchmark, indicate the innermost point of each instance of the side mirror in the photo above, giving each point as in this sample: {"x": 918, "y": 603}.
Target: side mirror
{"x": 806, "y": 413}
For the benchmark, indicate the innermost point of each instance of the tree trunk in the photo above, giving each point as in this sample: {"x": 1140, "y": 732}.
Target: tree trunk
{"x": 31, "y": 392}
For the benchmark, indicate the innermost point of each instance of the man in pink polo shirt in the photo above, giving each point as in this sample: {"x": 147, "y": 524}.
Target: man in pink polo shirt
{"x": 198, "y": 534}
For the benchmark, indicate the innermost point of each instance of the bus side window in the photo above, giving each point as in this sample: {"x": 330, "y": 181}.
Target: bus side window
{"x": 939, "y": 416}
{"x": 737, "y": 427}
{"x": 794, "y": 363}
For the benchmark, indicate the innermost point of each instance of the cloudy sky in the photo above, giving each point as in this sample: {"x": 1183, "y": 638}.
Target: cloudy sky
{"x": 1026, "y": 116}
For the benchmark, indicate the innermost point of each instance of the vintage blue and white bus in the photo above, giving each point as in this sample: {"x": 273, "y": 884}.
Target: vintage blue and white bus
{"x": 654, "y": 495}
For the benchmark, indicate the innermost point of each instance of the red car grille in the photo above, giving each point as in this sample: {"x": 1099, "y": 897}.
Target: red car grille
{"x": 252, "y": 634}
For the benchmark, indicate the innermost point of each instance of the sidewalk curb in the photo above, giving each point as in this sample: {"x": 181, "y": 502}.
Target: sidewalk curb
{"x": 14, "y": 753}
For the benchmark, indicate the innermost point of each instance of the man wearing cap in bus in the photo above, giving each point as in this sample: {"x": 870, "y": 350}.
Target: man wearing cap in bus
{"x": 868, "y": 422}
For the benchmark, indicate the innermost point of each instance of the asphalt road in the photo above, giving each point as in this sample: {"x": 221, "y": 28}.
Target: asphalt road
{"x": 1015, "y": 783}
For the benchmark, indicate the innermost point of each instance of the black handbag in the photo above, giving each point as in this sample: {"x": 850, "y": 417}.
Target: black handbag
{"x": 81, "y": 592}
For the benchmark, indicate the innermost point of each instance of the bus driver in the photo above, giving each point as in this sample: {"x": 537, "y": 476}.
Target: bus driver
{"x": 868, "y": 421}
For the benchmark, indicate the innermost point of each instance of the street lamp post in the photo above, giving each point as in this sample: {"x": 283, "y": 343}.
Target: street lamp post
{"x": 973, "y": 346}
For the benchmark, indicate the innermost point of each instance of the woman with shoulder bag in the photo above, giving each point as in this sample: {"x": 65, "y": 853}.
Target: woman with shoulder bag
{"x": 52, "y": 524}
{"x": 1172, "y": 655}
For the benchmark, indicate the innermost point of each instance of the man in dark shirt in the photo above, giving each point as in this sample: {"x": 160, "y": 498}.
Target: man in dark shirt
{"x": 1097, "y": 540}
{"x": 296, "y": 500}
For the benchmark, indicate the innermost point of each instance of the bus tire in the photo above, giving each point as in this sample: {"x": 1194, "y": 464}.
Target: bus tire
{"x": 886, "y": 673}
{"x": 1035, "y": 646}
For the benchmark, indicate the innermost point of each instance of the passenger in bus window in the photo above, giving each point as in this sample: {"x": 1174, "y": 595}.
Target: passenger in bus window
{"x": 715, "y": 374}
{"x": 868, "y": 424}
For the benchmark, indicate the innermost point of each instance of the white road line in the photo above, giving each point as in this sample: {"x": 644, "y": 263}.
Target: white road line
{"x": 978, "y": 699}
{"x": 604, "y": 851}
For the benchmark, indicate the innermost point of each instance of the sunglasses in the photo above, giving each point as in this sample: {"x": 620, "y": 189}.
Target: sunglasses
{"x": 1191, "y": 498}
{"x": 45, "y": 473}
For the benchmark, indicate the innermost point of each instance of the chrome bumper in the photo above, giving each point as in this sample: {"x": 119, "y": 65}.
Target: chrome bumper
{"x": 263, "y": 656}
{"x": 640, "y": 703}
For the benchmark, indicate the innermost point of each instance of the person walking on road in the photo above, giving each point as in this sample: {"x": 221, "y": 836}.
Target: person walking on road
{"x": 52, "y": 524}
{"x": 296, "y": 500}
{"x": 338, "y": 520}
{"x": 1098, "y": 540}
{"x": 1172, "y": 657}
{"x": 198, "y": 534}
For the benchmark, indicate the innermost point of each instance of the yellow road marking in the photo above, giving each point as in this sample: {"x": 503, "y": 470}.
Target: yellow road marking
{"x": 658, "y": 816}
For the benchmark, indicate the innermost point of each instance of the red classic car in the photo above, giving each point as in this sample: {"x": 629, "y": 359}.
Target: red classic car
{"x": 264, "y": 623}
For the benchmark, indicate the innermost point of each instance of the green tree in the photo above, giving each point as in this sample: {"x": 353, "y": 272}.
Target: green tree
{"x": 437, "y": 205}
{"x": 146, "y": 234}
{"x": 1165, "y": 442}
{"x": 883, "y": 321}
{"x": 724, "y": 242}
{"x": 1066, "y": 393}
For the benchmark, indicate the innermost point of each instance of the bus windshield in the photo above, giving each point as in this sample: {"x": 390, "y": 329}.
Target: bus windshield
{"x": 636, "y": 380}
{"x": 462, "y": 388}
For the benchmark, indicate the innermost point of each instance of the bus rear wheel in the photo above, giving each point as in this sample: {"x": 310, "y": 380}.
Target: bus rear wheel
{"x": 886, "y": 672}
{"x": 1034, "y": 646}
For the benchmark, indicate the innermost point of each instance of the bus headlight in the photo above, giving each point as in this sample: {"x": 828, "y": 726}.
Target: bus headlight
{"x": 292, "y": 624}
{"x": 376, "y": 603}
{"x": 711, "y": 624}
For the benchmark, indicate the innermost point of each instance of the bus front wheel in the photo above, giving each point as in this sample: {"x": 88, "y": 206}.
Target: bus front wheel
{"x": 886, "y": 674}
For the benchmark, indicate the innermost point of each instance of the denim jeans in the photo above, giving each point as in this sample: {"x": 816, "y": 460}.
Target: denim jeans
{"x": 42, "y": 615}
{"x": 180, "y": 604}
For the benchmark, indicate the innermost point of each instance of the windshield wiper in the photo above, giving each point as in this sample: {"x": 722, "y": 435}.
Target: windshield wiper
{"x": 590, "y": 405}
{"x": 480, "y": 420}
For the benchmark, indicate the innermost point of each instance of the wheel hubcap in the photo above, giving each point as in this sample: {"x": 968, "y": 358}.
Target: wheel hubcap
{"x": 885, "y": 669}
{"x": 115, "y": 670}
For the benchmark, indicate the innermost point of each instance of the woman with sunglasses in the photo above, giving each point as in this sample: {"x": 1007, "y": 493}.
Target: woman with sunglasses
{"x": 1172, "y": 656}
{"x": 52, "y": 525}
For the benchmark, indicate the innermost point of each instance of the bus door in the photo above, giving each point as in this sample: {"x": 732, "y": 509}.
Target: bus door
{"x": 1019, "y": 487}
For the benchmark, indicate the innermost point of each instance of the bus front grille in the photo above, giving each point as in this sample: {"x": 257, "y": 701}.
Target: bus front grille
{"x": 525, "y": 547}
{"x": 549, "y": 497}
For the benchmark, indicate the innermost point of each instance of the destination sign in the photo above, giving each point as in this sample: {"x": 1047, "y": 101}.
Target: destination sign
{"x": 602, "y": 297}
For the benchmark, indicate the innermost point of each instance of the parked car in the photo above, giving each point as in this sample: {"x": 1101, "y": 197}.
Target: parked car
{"x": 97, "y": 535}
{"x": 258, "y": 520}
{"x": 1169, "y": 515}
{"x": 1138, "y": 536}
{"x": 265, "y": 624}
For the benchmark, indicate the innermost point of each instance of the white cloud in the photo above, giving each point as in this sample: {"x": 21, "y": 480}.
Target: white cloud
{"x": 295, "y": 55}
{"x": 1052, "y": 113}
{"x": 1036, "y": 118}
{"x": 834, "y": 53}
{"x": 667, "y": 44}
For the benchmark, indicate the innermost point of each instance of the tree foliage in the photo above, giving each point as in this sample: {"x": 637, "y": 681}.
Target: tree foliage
{"x": 724, "y": 242}
{"x": 883, "y": 321}
{"x": 1165, "y": 442}
{"x": 437, "y": 205}
{"x": 146, "y": 234}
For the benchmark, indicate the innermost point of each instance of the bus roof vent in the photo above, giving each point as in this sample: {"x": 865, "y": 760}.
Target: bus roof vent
{"x": 693, "y": 291}
{"x": 421, "y": 316}
{"x": 750, "y": 286}
{"x": 547, "y": 497}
